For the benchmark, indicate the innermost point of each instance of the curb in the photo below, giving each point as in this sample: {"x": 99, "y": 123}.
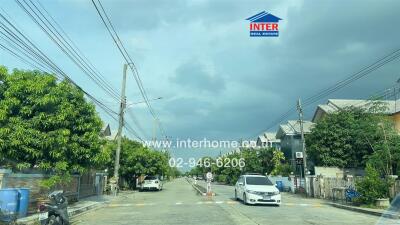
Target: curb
{"x": 198, "y": 190}
{"x": 33, "y": 219}
{"x": 366, "y": 211}
{"x": 83, "y": 209}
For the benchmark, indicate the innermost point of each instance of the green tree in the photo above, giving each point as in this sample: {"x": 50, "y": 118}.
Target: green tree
{"x": 348, "y": 137}
{"x": 46, "y": 124}
{"x": 252, "y": 161}
{"x": 277, "y": 159}
{"x": 273, "y": 161}
{"x": 386, "y": 151}
{"x": 372, "y": 186}
{"x": 136, "y": 160}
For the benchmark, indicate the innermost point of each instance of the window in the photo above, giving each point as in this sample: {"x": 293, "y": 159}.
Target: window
{"x": 258, "y": 181}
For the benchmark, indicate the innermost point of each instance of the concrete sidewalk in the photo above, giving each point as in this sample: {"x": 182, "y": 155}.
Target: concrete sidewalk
{"x": 74, "y": 209}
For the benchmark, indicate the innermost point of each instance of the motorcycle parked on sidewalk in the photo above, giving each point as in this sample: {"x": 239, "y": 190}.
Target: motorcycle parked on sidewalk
{"x": 55, "y": 212}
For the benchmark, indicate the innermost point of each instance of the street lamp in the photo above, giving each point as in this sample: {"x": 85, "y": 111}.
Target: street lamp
{"x": 155, "y": 121}
{"x": 135, "y": 103}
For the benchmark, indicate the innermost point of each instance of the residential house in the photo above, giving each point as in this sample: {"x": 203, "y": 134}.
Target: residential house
{"x": 333, "y": 105}
{"x": 268, "y": 140}
{"x": 105, "y": 131}
{"x": 290, "y": 137}
{"x": 107, "y": 134}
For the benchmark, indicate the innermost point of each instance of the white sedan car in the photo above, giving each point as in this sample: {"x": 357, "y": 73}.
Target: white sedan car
{"x": 151, "y": 183}
{"x": 257, "y": 189}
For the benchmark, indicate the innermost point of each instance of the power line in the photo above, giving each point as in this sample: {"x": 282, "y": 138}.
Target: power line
{"x": 76, "y": 47}
{"x": 337, "y": 86}
{"x": 25, "y": 50}
{"x": 26, "y": 45}
{"x": 136, "y": 121}
{"x": 111, "y": 30}
{"x": 20, "y": 58}
{"x": 358, "y": 75}
{"x": 29, "y": 52}
{"x": 132, "y": 131}
{"x": 52, "y": 32}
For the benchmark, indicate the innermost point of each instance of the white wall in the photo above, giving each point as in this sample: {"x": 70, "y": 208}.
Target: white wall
{"x": 337, "y": 172}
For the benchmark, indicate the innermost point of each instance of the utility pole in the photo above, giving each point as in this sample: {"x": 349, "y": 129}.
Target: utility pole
{"x": 303, "y": 142}
{"x": 395, "y": 95}
{"x": 120, "y": 126}
{"x": 154, "y": 129}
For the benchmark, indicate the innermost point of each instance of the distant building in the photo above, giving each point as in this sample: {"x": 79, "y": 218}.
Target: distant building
{"x": 268, "y": 140}
{"x": 105, "y": 131}
{"x": 290, "y": 137}
{"x": 107, "y": 134}
{"x": 334, "y": 105}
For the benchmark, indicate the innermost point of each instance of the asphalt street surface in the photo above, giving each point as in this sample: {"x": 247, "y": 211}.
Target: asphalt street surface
{"x": 179, "y": 203}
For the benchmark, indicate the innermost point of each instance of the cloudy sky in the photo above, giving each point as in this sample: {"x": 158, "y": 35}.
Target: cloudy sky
{"x": 215, "y": 80}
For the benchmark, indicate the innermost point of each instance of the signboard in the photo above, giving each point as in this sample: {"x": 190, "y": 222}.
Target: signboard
{"x": 209, "y": 176}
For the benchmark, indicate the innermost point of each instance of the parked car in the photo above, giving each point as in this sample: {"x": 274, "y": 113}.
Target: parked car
{"x": 151, "y": 183}
{"x": 257, "y": 189}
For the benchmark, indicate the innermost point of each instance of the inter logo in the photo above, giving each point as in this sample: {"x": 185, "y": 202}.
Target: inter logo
{"x": 264, "y": 24}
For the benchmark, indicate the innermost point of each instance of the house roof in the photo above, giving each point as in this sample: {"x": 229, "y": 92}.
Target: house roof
{"x": 333, "y": 105}
{"x": 264, "y": 17}
{"x": 262, "y": 138}
{"x": 292, "y": 127}
{"x": 268, "y": 136}
{"x": 105, "y": 130}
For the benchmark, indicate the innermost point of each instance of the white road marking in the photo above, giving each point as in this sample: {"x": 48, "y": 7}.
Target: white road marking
{"x": 207, "y": 202}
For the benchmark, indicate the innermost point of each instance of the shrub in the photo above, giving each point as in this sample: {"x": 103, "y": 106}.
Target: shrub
{"x": 372, "y": 186}
{"x": 221, "y": 178}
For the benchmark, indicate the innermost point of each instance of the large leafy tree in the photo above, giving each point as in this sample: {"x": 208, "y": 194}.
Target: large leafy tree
{"x": 350, "y": 137}
{"x": 46, "y": 124}
{"x": 136, "y": 160}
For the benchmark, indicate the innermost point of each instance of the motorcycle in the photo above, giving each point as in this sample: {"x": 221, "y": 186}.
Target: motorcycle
{"x": 55, "y": 211}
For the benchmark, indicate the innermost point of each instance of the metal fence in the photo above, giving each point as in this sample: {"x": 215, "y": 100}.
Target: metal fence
{"x": 334, "y": 188}
{"x": 326, "y": 187}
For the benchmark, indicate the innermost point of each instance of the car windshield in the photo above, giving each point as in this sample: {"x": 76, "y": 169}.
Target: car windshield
{"x": 150, "y": 178}
{"x": 258, "y": 181}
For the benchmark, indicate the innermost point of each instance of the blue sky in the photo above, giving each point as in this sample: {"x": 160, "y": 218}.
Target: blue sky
{"x": 216, "y": 81}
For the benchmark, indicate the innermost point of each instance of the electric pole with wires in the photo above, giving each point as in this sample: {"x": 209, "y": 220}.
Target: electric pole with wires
{"x": 303, "y": 143}
{"x": 114, "y": 184}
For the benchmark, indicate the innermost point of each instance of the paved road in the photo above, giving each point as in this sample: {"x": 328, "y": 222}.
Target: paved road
{"x": 294, "y": 210}
{"x": 178, "y": 203}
